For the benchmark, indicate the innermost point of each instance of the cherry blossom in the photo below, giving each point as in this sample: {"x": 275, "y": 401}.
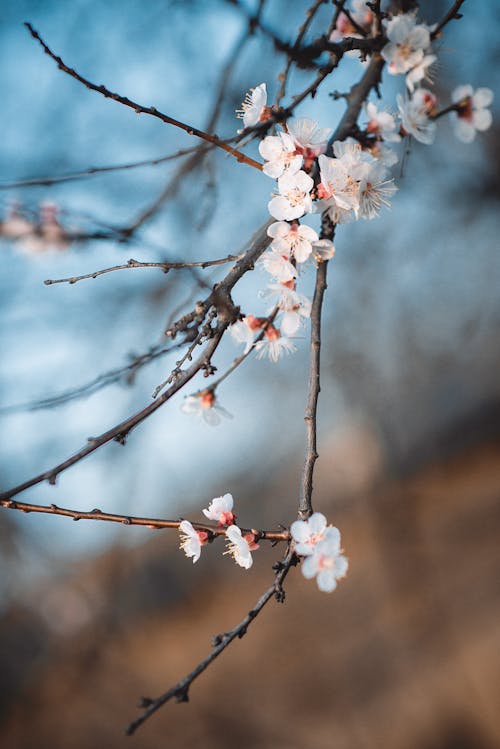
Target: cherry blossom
{"x": 240, "y": 547}
{"x": 273, "y": 345}
{"x": 415, "y": 115}
{"x": 280, "y": 155}
{"x": 407, "y": 42}
{"x": 204, "y": 406}
{"x": 419, "y": 72}
{"x": 310, "y": 140}
{"x": 337, "y": 186}
{"x": 295, "y": 239}
{"x": 382, "y": 124}
{"x": 220, "y": 509}
{"x": 307, "y": 533}
{"x": 374, "y": 190}
{"x": 243, "y": 331}
{"x": 278, "y": 265}
{"x": 192, "y": 540}
{"x": 294, "y": 197}
{"x": 253, "y": 108}
{"x": 326, "y": 563}
{"x": 472, "y": 113}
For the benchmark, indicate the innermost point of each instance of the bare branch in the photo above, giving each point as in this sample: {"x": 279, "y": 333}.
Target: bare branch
{"x": 93, "y": 170}
{"x": 305, "y": 500}
{"x": 452, "y": 14}
{"x": 103, "y": 380}
{"x": 180, "y": 691}
{"x": 166, "y": 267}
{"x": 152, "y": 523}
{"x": 140, "y": 109}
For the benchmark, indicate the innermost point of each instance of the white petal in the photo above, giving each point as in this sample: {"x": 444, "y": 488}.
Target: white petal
{"x": 326, "y": 581}
{"x": 482, "y": 119}
{"x": 482, "y": 98}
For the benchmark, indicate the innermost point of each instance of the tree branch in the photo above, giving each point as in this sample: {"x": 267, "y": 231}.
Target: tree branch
{"x": 180, "y": 691}
{"x": 153, "y": 523}
{"x": 305, "y": 499}
{"x": 140, "y": 109}
{"x": 166, "y": 266}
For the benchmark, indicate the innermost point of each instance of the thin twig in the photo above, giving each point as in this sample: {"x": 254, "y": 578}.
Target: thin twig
{"x": 101, "y": 381}
{"x": 152, "y": 523}
{"x": 166, "y": 266}
{"x": 452, "y": 13}
{"x": 180, "y": 691}
{"x": 220, "y": 298}
{"x": 93, "y": 170}
{"x": 305, "y": 499}
{"x": 283, "y": 77}
{"x": 140, "y": 109}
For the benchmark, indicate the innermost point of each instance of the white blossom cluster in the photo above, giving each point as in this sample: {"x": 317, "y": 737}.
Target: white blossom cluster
{"x": 319, "y": 544}
{"x": 239, "y": 545}
{"x": 353, "y": 183}
{"x": 312, "y": 539}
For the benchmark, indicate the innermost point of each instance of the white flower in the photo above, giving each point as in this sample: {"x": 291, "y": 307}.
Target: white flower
{"x": 192, "y": 540}
{"x": 327, "y": 564}
{"x": 220, "y": 509}
{"x": 384, "y": 154}
{"x": 277, "y": 264}
{"x": 419, "y": 72}
{"x": 292, "y": 239}
{"x": 323, "y": 249}
{"x": 337, "y": 186}
{"x": 310, "y": 139}
{"x": 415, "y": 113}
{"x": 382, "y": 124}
{"x": 374, "y": 190}
{"x": 204, "y": 405}
{"x": 274, "y": 345}
{"x": 241, "y": 333}
{"x": 473, "y": 113}
{"x": 253, "y": 108}
{"x": 280, "y": 154}
{"x": 307, "y": 533}
{"x": 407, "y": 42}
{"x": 294, "y": 199}
{"x": 240, "y": 547}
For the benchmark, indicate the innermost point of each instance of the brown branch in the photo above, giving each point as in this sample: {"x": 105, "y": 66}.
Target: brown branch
{"x": 166, "y": 266}
{"x": 140, "y": 109}
{"x": 283, "y": 77}
{"x": 180, "y": 691}
{"x": 355, "y": 99}
{"x": 305, "y": 500}
{"x": 153, "y": 523}
{"x": 452, "y": 14}
{"x": 221, "y": 300}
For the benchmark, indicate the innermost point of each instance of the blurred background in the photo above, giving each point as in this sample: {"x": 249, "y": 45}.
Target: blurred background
{"x": 405, "y": 654}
